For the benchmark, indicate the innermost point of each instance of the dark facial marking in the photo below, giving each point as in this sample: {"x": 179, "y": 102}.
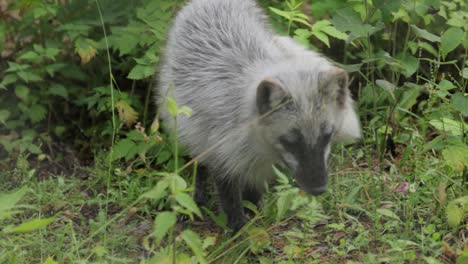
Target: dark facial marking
{"x": 311, "y": 173}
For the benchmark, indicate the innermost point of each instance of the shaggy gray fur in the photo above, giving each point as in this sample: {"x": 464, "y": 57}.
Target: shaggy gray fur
{"x": 218, "y": 53}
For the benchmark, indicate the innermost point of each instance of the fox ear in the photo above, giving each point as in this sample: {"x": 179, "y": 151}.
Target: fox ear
{"x": 350, "y": 127}
{"x": 334, "y": 84}
{"x": 269, "y": 95}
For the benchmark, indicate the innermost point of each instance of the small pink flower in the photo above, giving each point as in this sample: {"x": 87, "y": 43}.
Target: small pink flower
{"x": 402, "y": 188}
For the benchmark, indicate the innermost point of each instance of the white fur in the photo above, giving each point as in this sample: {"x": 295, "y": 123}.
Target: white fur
{"x": 350, "y": 129}
{"x": 218, "y": 52}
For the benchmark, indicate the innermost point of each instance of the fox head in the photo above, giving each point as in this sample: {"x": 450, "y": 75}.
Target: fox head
{"x": 302, "y": 110}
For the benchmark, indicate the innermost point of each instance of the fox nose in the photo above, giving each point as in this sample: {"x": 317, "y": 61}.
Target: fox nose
{"x": 317, "y": 190}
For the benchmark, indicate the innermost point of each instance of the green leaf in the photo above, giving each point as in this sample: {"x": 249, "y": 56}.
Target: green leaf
{"x": 149, "y": 59}
{"x": 49, "y": 53}
{"x": 184, "y": 110}
{"x": 158, "y": 192}
{"x": 39, "y": 11}
{"x": 141, "y": 71}
{"x": 322, "y": 37}
{"x": 8, "y": 79}
{"x": 301, "y": 21}
{"x": 325, "y": 26}
{"x": 422, "y": 33}
{"x": 283, "y": 204}
{"x": 388, "y": 213}
{"x": 186, "y": 201}
{"x": 387, "y": 7}
{"x": 409, "y": 64}
{"x": 350, "y": 68}
{"x": 30, "y": 56}
{"x": 458, "y": 19}
{"x": 172, "y": 107}
{"x": 31, "y": 225}
{"x": 136, "y": 136}
{"x": 460, "y": 103}
{"x": 282, "y": 178}
{"x": 287, "y": 15}
{"x": 456, "y": 156}
{"x": 208, "y": 242}
{"x": 347, "y": 20}
{"x": 74, "y": 30}
{"x": 409, "y": 97}
{"x": 49, "y": 260}
{"x": 450, "y": 40}
{"x": 3, "y": 31}
{"x": 8, "y": 201}
{"x": 4, "y": 115}
{"x": 86, "y": 49}
{"x": 156, "y": 15}
{"x": 33, "y": 148}
{"x": 51, "y": 69}
{"x": 446, "y": 85}
{"x": 8, "y": 214}
{"x": 122, "y": 148}
{"x": 15, "y": 67}
{"x": 448, "y": 125}
{"x": 163, "y": 223}
{"x": 59, "y": 130}
{"x": 319, "y": 25}
{"x": 428, "y": 47}
{"x": 177, "y": 182}
{"x": 323, "y": 8}
{"x": 456, "y": 210}
{"x": 163, "y": 156}
{"x": 125, "y": 39}
{"x": 332, "y": 31}
{"x": 220, "y": 220}
{"x": 22, "y": 91}
{"x": 463, "y": 257}
{"x": 37, "y": 113}
{"x": 387, "y": 86}
{"x": 465, "y": 73}
{"x": 258, "y": 239}
{"x": 298, "y": 14}
{"x": 195, "y": 243}
{"x": 29, "y": 76}
{"x": 59, "y": 90}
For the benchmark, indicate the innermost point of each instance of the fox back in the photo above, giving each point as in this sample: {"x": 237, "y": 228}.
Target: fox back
{"x": 257, "y": 98}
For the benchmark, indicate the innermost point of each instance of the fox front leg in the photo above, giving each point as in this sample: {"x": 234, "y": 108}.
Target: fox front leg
{"x": 230, "y": 196}
{"x": 201, "y": 182}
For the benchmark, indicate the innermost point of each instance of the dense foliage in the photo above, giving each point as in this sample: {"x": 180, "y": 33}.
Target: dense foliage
{"x": 88, "y": 175}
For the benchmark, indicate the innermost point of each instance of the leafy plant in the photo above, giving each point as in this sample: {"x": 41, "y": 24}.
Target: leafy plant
{"x": 456, "y": 211}
{"x": 76, "y": 82}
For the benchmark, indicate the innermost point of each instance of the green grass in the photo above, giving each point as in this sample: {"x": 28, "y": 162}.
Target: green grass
{"x": 363, "y": 218}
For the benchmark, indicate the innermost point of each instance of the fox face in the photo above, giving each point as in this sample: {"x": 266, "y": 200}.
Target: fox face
{"x": 301, "y": 115}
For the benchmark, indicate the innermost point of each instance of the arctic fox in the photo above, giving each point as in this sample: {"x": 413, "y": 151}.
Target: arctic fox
{"x": 257, "y": 99}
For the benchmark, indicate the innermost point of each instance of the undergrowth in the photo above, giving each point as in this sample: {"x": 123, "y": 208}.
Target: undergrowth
{"x": 88, "y": 175}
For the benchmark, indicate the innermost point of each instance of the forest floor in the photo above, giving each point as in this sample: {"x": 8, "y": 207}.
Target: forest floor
{"x": 391, "y": 212}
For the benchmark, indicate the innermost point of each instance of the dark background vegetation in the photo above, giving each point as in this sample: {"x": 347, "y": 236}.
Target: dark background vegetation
{"x": 87, "y": 175}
